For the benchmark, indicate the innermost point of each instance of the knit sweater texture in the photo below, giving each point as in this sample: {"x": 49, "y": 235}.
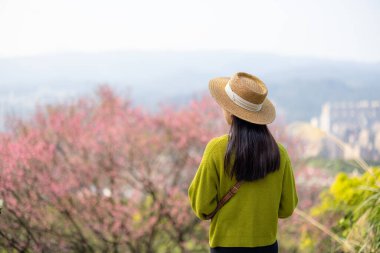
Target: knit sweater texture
{"x": 250, "y": 217}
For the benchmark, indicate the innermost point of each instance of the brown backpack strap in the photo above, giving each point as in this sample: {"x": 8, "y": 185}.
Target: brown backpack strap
{"x": 225, "y": 198}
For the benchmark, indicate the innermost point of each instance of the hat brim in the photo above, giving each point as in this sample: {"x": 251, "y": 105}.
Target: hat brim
{"x": 266, "y": 115}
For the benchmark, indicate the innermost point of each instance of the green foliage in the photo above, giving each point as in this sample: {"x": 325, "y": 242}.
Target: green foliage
{"x": 356, "y": 200}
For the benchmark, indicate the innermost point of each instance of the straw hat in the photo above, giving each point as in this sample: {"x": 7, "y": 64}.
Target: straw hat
{"x": 245, "y": 96}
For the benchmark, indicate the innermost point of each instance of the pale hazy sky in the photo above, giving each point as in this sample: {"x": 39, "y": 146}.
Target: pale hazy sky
{"x": 343, "y": 30}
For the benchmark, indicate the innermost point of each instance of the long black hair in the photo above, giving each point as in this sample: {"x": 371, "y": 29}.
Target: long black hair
{"x": 252, "y": 149}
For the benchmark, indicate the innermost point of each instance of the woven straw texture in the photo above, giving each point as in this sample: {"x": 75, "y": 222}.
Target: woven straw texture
{"x": 251, "y": 89}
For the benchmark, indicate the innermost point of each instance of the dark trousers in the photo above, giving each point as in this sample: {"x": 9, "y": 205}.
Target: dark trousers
{"x": 264, "y": 249}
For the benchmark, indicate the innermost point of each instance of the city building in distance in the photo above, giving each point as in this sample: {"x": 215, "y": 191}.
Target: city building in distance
{"x": 355, "y": 123}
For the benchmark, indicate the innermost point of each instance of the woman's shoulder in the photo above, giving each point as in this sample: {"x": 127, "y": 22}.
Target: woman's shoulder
{"x": 217, "y": 142}
{"x": 281, "y": 147}
{"x": 283, "y": 151}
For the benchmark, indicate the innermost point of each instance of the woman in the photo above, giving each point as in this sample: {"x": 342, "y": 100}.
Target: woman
{"x": 249, "y": 153}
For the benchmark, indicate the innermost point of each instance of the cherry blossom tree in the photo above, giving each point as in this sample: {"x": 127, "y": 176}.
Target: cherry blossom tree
{"x": 101, "y": 175}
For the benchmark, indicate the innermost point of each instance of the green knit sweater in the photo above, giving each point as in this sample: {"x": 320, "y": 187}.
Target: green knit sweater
{"x": 250, "y": 217}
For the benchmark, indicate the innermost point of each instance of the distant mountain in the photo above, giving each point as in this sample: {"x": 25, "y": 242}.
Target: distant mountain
{"x": 298, "y": 86}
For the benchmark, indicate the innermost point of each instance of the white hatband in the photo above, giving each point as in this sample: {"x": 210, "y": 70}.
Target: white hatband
{"x": 241, "y": 101}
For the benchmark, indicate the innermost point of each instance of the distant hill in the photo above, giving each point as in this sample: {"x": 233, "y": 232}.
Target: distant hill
{"x": 298, "y": 86}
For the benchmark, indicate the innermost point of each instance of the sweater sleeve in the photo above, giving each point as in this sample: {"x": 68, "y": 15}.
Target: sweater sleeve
{"x": 202, "y": 191}
{"x": 289, "y": 198}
